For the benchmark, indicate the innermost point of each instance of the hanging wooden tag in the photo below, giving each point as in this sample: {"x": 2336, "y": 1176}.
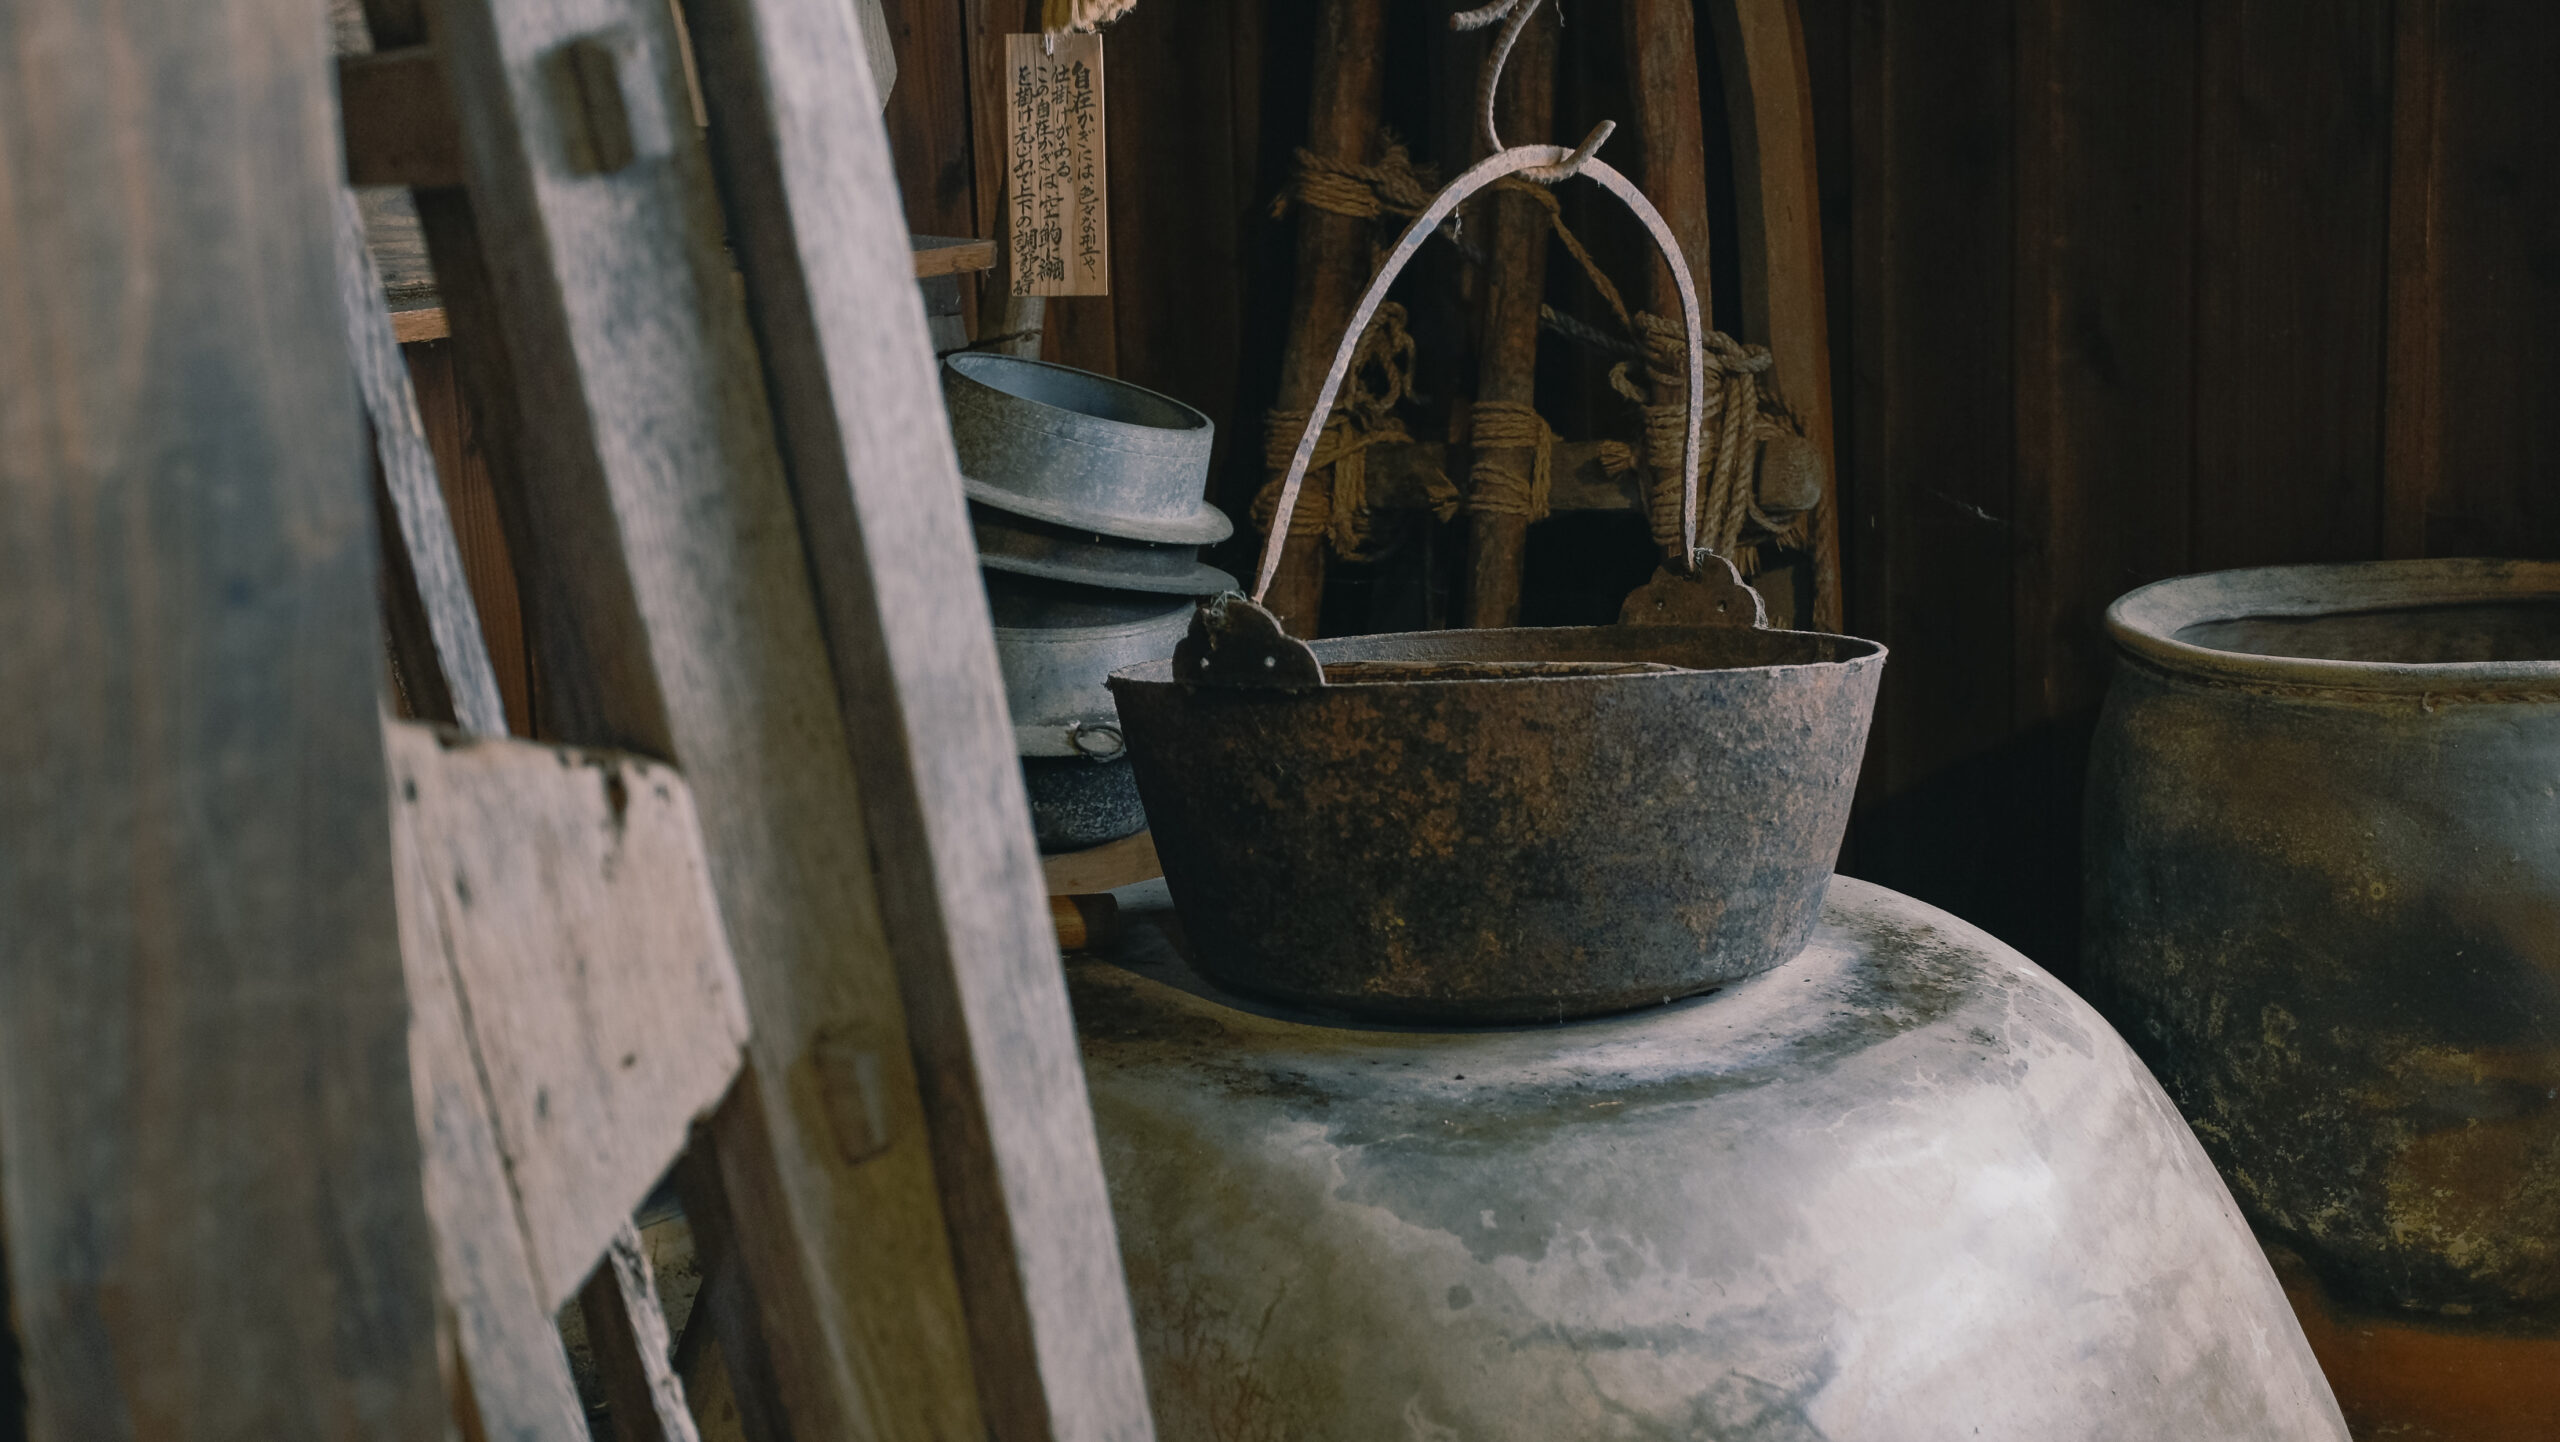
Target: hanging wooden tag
{"x": 1058, "y": 217}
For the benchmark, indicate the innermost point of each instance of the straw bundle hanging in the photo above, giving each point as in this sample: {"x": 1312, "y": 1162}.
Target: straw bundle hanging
{"x": 1062, "y": 15}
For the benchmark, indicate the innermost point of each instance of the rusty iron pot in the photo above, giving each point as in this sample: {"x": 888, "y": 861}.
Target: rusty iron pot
{"x": 2323, "y": 901}
{"x": 1507, "y": 825}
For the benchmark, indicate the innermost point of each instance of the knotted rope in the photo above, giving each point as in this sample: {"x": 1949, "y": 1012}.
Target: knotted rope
{"x": 1393, "y": 186}
{"x": 1546, "y": 200}
{"x": 1741, "y": 413}
{"x": 1335, "y": 502}
{"x": 1496, "y": 487}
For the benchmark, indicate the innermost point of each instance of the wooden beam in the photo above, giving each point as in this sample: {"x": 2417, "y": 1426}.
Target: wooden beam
{"x": 1347, "y": 94}
{"x": 418, "y": 321}
{"x": 1769, "y": 107}
{"x": 452, "y": 667}
{"x": 209, "y": 1165}
{"x": 805, "y": 168}
{"x": 697, "y": 639}
{"x": 628, "y": 1330}
{"x": 398, "y": 118}
{"x": 942, "y": 255}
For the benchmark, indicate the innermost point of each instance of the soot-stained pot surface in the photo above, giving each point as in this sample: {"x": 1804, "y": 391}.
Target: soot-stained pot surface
{"x": 1902, "y": 1187}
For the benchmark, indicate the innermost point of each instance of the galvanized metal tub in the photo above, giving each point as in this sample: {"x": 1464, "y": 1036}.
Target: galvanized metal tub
{"x": 1016, "y": 545}
{"x": 1055, "y": 676}
{"x": 1077, "y": 449}
{"x": 2323, "y": 902}
{"x": 1074, "y": 763}
{"x": 1514, "y": 849}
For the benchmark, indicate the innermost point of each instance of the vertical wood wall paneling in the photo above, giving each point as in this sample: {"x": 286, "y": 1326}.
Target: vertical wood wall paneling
{"x": 2293, "y": 151}
{"x": 2413, "y": 412}
{"x": 984, "y": 24}
{"x": 2106, "y": 298}
{"x": 213, "y": 1203}
{"x": 1176, "y": 206}
{"x": 2496, "y": 260}
{"x": 928, "y": 118}
{"x": 1929, "y": 543}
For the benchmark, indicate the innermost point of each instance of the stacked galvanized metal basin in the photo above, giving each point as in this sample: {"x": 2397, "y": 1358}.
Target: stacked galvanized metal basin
{"x": 1085, "y": 494}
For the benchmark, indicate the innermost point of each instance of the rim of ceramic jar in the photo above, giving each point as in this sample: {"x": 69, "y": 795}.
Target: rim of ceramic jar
{"x": 2145, "y": 623}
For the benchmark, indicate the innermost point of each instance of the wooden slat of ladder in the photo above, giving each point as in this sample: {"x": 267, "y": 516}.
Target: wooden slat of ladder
{"x": 209, "y": 1172}
{"x": 446, "y": 663}
{"x": 599, "y": 308}
{"x": 572, "y": 910}
{"x": 805, "y": 165}
{"x": 529, "y": 1162}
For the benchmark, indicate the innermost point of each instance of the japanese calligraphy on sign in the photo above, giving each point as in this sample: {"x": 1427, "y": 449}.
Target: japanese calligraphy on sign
{"x": 1058, "y": 219}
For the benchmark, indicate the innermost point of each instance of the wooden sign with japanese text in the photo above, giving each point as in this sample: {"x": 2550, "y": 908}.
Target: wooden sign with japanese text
{"x": 1058, "y": 219}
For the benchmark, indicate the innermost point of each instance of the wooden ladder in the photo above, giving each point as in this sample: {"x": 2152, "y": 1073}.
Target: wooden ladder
{"x": 337, "y": 1052}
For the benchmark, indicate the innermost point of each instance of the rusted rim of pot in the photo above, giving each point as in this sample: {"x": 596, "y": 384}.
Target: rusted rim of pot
{"x": 2147, "y": 622}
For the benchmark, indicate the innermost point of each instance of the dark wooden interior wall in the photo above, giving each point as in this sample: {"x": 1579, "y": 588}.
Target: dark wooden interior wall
{"x": 2134, "y": 288}
{"x": 2120, "y": 289}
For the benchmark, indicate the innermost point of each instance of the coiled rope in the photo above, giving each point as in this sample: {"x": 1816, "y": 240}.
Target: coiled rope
{"x": 1338, "y": 509}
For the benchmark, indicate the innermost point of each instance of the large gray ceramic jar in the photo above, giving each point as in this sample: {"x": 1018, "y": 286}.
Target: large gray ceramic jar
{"x": 2324, "y": 904}
{"x": 1902, "y": 1187}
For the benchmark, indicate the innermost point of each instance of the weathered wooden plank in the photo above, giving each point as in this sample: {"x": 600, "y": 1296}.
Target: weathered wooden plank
{"x": 936, "y": 256}
{"x": 575, "y": 911}
{"x": 471, "y": 506}
{"x": 698, "y": 640}
{"x": 628, "y": 1330}
{"x": 878, "y": 490}
{"x": 1113, "y": 864}
{"x": 209, "y": 1167}
{"x": 511, "y": 1376}
{"x": 2292, "y": 207}
{"x": 428, "y": 563}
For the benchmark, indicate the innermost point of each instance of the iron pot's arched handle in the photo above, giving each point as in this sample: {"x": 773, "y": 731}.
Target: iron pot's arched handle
{"x": 1547, "y": 162}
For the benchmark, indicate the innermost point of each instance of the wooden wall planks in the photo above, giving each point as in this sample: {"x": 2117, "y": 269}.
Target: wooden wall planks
{"x": 2494, "y": 216}
{"x": 2145, "y": 287}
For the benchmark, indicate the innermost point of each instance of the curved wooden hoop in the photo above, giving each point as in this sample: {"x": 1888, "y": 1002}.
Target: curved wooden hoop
{"x": 1517, "y": 159}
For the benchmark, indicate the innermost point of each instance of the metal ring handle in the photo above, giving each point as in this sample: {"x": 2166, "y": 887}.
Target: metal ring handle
{"x": 1483, "y": 173}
